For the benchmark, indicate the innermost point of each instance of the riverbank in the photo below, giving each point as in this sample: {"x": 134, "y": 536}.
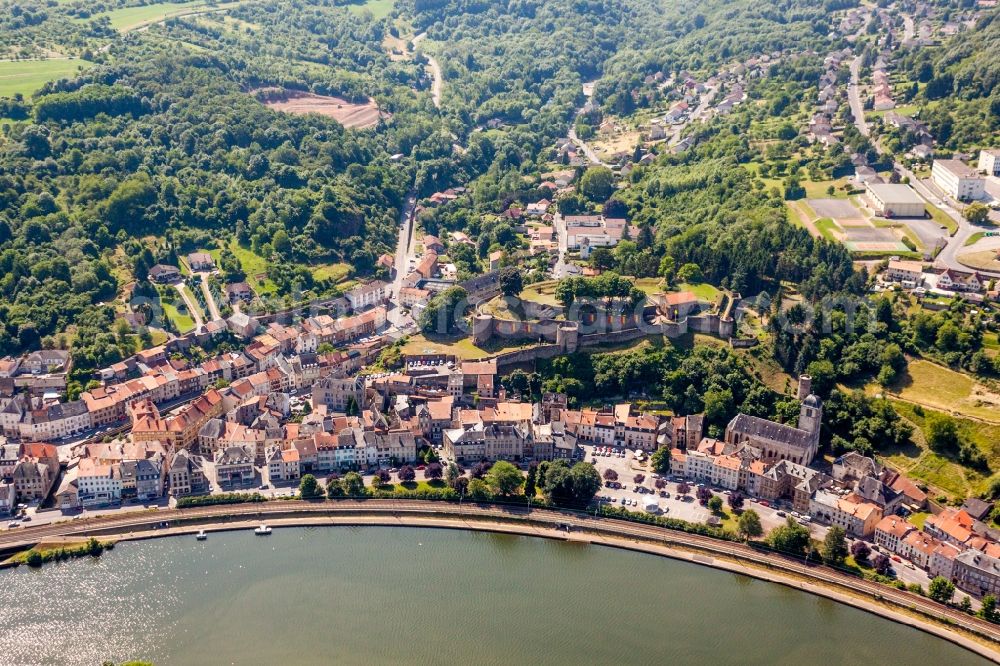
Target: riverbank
{"x": 903, "y": 607}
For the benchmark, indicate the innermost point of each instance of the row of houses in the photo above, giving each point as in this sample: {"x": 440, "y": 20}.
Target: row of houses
{"x": 954, "y": 544}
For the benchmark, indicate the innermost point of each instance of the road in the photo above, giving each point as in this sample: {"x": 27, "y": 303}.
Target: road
{"x": 582, "y": 145}
{"x": 437, "y": 79}
{"x": 559, "y": 270}
{"x": 854, "y": 96}
{"x": 213, "y": 309}
{"x": 405, "y": 252}
{"x": 192, "y": 307}
{"x": 844, "y": 587}
{"x": 909, "y": 29}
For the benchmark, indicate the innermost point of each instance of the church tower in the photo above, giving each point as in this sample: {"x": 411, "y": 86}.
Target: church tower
{"x": 811, "y": 412}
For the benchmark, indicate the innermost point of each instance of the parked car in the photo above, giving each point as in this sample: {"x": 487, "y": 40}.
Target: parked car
{"x": 782, "y": 514}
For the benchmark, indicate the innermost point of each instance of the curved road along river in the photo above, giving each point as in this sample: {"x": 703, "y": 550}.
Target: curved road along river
{"x": 847, "y": 589}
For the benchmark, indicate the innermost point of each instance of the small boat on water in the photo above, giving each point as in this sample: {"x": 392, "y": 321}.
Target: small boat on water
{"x": 263, "y": 530}
{"x": 201, "y": 536}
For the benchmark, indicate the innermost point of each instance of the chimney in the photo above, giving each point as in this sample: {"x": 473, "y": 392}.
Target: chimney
{"x": 805, "y": 386}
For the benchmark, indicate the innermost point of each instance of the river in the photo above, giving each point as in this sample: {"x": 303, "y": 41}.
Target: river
{"x": 372, "y": 595}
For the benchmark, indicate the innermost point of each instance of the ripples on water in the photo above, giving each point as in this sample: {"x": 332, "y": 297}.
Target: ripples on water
{"x": 397, "y": 595}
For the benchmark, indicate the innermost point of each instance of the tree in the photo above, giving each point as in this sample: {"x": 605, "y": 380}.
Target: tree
{"x": 334, "y": 487}
{"x": 433, "y": 470}
{"x": 597, "y": 183}
{"x": 461, "y": 485}
{"x": 530, "y": 481}
{"x": 511, "y": 281}
{"x": 736, "y": 501}
{"x": 976, "y": 213}
{"x": 715, "y": 504}
{"x": 380, "y": 478}
{"x": 748, "y": 525}
{"x": 690, "y": 273}
{"x": 683, "y": 488}
{"x": 660, "y": 460}
{"x": 660, "y": 483}
{"x": 942, "y": 432}
{"x": 452, "y": 474}
{"x": 571, "y": 486}
{"x": 988, "y": 608}
{"x": 834, "y": 548}
{"x": 703, "y": 494}
{"x": 478, "y": 490}
{"x": 352, "y": 484}
{"x": 639, "y": 478}
{"x": 430, "y": 455}
{"x": 881, "y": 564}
{"x": 860, "y": 551}
{"x": 789, "y": 538}
{"x": 480, "y": 470}
{"x": 309, "y": 488}
{"x": 444, "y": 311}
{"x": 610, "y": 475}
{"x": 965, "y": 605}
{"x": 504, "y": 478}
{"x": 941, "y": 590}
{"x": 406, "y": 473}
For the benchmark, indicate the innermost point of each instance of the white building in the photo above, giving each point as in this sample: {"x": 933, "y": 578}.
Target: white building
{"x": 909, "y": 273}
{"x": 889, "y": 200}
{"x": 958, "y": 179}
{"x": 98, "y": 483}
{"x": 367, "y": 295}
{"x": 989, "y": 161}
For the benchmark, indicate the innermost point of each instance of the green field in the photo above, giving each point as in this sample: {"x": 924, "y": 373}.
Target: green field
{"x": 27, "y": 76}
{"x": 942, "y": 471}
{"x": 378, "y": 8}
{"x": 937, "y": 387}
{"x": 129, "y": 18}
{"x": 541, "y": 292}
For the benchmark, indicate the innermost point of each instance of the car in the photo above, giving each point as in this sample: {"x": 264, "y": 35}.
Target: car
{"x": 796, "y": 514}
{"x": 262, "y": 486}
{"x": 14, "y": 523}
{"x": 26, "y": 519}
{"x": 678, "y": 496}
{"x": 782, "y": 514}
{"x": 764, "y": 503}
{"x": 895, "y": 558}
{"x": 624, "y": 501}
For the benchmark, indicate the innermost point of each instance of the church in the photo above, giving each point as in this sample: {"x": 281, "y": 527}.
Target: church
{"x": 778, "y": 441}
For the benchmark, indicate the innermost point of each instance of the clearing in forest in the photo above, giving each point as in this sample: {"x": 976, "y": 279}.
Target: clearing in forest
{"x": 348, "y": 114}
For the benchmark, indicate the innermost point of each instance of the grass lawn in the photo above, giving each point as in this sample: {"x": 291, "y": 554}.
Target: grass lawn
{"x": 702, "y": 290}
{"x": 918, "y": 518}
{"x": 650, "y": 286}
{"x": 419, "y": 484}
{"x": 819, "y": 189}
{"x": 27, "y": 76}
{"x": 335, "y": 272}
{"x": 826, "y": 228}
{"x": 541, "y": 292}
{"x": 252, "y": 264}
{"x": 938, "y": 387}
{"x": 943, "y": 219}
{"x": 974, "y": 238}
{"x": 378, "y": 8}
{"x": 159, "y": 337}
{"x": 128, "y": 18}
{"x": 461, "y": 347}
{"x": 182, "y": 321}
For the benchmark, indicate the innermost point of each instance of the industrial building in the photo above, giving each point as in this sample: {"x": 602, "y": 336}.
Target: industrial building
{"x": 890, "y": 200}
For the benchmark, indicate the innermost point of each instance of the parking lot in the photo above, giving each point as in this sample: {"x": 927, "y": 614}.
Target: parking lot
{"x": 627, "y": 466}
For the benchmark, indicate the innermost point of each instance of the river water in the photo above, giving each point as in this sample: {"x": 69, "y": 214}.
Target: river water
{"x": 372, "y": 595}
